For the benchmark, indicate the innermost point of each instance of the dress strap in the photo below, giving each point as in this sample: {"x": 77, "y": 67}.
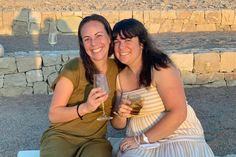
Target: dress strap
{"x": 118, "y": 84}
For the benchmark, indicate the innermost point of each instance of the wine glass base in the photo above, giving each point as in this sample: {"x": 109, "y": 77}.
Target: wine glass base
{"x": 102, "y": 118}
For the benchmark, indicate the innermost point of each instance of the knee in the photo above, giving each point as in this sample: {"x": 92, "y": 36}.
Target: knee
{"x": 98, "y": 150}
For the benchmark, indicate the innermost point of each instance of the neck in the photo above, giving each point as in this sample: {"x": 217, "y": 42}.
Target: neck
{"x": 102, "y": 66}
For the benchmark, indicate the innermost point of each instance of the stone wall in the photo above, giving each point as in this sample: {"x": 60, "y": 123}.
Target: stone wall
{"x": 156, "y": 21}
{"x": 33, "y": 72}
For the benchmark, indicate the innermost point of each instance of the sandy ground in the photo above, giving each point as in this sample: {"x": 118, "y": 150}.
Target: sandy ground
{"x": 23, "y": 120}
{"x": 69, "y": 5}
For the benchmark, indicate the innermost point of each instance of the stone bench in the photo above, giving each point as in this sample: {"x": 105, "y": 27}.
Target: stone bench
{"x": 36, "y": 153}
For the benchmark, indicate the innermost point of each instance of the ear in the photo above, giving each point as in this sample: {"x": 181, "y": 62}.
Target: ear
{"x": 141, "y": 45}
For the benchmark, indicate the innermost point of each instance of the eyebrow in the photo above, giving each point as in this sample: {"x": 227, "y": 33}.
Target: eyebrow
{"x": 86, "y": 36}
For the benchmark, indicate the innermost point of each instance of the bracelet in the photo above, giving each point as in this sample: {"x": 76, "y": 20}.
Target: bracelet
{"x": 137, "y": 141}
{"x": 77, "y": 110}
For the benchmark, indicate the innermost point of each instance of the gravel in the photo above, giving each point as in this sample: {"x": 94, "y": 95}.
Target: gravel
{"x": 81, "y": 5}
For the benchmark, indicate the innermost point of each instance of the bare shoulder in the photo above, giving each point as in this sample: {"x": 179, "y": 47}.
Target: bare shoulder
{"x": 166, "y": 75}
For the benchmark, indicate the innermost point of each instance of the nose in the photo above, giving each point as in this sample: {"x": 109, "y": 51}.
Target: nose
{"x": 93, "y": 41}
{"x": 122, "y": 45}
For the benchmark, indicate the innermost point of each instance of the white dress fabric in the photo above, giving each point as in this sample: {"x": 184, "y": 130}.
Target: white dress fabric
{"x": 187, "y": 141}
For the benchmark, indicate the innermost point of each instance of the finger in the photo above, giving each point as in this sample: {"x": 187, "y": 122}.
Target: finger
{"x": 99, "y": 94}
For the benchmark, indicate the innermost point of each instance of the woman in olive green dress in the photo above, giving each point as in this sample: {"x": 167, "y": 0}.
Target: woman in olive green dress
{"x": 75, "y": 105}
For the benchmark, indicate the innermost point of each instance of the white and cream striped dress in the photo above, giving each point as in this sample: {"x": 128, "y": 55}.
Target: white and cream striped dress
{"x": 187, "y": 141}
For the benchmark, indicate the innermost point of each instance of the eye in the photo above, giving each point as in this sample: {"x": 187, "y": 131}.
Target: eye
{"x": 99, "y": 35}
{"x": 127, "y": 39}
{"x": 85, "y": 40}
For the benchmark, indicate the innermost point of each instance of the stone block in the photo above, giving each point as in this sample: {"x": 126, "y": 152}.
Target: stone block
{"x": 111, "y": 16}
{"x": 189, "y": 27}
{"x": 65, "y": 58}
{"x": 154, "y": 28}
{"x": 1, "y": 80}
{"x": 231, "y": 82}
{"x": 169, "y": 14}
{"x": 197, "y": 17}
{"x": 183, "y": 61}
{"x": 20, "y": 28}
{"x": 230, "y": 76}
{"x": 7, "y": 65}
{"x": 34, "y": 76}
{"x": 26, "y": 63}
{"x": 8, "y": 18}
{"x": 213, "y": 16}
{"x": 68, "y": 24}
{"x": 220, "y": 83}
{"x": 46, "y": 18}
{"x": 207, "y": 62}
{"x": 51, "y": 59}
{"x": 78, "y": 13}
{"x": 206, "y": 27}
{"x": 183, "y": 14}
{"x": 209, "y": 78}
{"x": 59, "y": 68}
{"x": 146, "y": 17}
{"x": 22, "y": 15}
{"x": 15, "y": 80}
{"x": 222, "y": 28}
{"x": 189, "y": 78}
{"x": 1, "y": 20}
{"x": 227, "y": 17}
{"x": 177, "y": 26}
{"x": 90, "y": 12}
{"x": 67, "y": 13}
{"x": 16, "y": 91}
{"x": 6, "y": 30}
{"x": 40, "y": 88}
{"x": 228, "y": 62}
{"x": 48, "y": 71}
{"x": 34, "y": 29}
{"x": 125, "y": 14}
{"x": 35, "y": 17}
{"x": 233, "y": 27}
{"x": 138, "y": 15}
{"x": 155, "y": 16}
{"x": 51, "y": 78}
{"x": 166, "y": 26}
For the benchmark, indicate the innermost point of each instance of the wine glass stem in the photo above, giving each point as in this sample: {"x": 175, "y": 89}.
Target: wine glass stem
{"x": 103, "y": 108}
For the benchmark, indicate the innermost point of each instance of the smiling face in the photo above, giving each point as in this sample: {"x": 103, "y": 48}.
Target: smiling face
{"x": 128, "y": 50}
{"x": 96, "y": 40}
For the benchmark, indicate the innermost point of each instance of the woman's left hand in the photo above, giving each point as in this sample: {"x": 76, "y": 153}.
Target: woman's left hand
{"x": 128, "y": 143}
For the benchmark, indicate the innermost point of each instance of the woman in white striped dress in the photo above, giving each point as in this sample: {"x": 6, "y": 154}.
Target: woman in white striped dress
{"x": 166, "y": 126}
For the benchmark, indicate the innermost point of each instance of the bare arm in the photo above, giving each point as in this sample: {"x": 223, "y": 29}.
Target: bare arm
{"x": 119, "y": 121}
{"x": 60, "y": 112}
{"x": 171, "y": 90}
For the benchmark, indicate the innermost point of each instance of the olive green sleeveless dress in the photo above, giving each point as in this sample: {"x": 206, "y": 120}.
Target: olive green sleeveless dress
{"x": 86, "y": 137}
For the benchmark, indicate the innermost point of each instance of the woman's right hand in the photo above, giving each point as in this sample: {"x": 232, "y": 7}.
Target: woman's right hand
{"x": 124, "y": 110}
{"x": 95, "y": 99}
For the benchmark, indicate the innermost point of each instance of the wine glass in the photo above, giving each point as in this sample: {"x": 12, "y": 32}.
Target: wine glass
{"x": 52, "y": 38}
{"x": 100, "y": 80}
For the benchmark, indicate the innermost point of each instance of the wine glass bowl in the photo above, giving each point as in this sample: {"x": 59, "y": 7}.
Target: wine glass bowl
{"x": 52, "y": 38}
{"x": 100, "y": 80}
{"x": 136, "y": 103}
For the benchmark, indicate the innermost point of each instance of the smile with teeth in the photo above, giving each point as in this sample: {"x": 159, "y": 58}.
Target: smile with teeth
{"x": 97, "y": 50}
{"x": 124, "y": 53}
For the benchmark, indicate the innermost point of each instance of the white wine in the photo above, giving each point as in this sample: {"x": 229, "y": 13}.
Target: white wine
{"x": 52, "y": 38}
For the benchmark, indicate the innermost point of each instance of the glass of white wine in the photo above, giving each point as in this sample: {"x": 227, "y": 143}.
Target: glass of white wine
{"x": 100, "y": 80}
{"x": 52, "y": 38}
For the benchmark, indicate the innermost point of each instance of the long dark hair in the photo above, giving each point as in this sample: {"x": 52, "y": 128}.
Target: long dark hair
{"x": 89, "y": 66}
{"x": 151, "y": 56}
